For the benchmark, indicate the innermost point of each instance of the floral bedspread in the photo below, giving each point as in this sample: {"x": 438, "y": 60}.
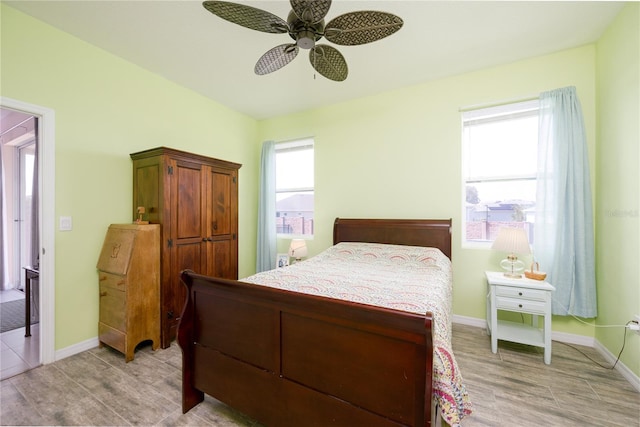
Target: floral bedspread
{"x": 406, "y": 278}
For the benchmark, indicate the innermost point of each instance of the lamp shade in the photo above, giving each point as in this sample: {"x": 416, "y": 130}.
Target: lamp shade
{"x": 512, "y": 240}
{"x": 298, "y": 248}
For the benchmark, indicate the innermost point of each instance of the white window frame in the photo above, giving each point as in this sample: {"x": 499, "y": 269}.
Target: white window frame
{"x": 294, "y": 145}
{"x": 501, "y": 112}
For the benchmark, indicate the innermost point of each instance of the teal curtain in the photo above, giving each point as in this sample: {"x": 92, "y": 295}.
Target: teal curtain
{"x": 266, "y": 250}
{"x": 564, "y": 236}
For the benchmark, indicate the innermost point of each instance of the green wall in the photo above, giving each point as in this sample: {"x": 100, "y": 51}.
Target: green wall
{"x": 618, "y": 183}
{"x": 398, "y": 154}
{"x": 105, "y": 109}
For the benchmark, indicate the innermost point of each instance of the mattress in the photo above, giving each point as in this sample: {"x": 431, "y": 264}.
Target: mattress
{"x": 406, "y": 278}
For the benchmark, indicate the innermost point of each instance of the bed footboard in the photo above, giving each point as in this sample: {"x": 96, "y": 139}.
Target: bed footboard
{"x": 285, "y": 358}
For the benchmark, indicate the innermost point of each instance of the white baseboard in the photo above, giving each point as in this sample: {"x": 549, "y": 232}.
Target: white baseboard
{"x": 469, "y": 321}
{"x": 569, "y": 339}
{"x": 76, "y": 348}
{"x": 620, "y": 367}
{"x": 573, "y": 339}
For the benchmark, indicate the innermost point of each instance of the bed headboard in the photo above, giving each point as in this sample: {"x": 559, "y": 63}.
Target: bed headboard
{"x": 413, "y": 232}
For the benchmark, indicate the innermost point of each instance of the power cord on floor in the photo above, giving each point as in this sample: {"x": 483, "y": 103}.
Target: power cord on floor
{"x": 624, "y": 341}
{"x": 624, "y": 336}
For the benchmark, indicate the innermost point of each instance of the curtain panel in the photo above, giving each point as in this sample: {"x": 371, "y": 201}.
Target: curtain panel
{"x": 266, "y": 249}
{"x": 564, "y": 234}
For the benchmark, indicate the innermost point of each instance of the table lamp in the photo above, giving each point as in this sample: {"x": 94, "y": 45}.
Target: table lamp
{"x": 298, "y": 249}
{"x": 514, "y": 242}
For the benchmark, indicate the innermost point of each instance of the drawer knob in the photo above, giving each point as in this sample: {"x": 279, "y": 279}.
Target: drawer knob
{"x": 520, "y": 293}
{"x": 520, "y": 305}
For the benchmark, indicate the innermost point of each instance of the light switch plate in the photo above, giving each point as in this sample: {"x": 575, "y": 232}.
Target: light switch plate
{"x": 66, "y": 223}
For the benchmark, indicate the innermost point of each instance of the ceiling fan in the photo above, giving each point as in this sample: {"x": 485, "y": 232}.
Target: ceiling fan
{"x": 305, "y": 24}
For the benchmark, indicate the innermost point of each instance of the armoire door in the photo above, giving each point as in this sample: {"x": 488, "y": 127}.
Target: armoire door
{"x": 186, "y": 231}
{"x": 221, "y": 250}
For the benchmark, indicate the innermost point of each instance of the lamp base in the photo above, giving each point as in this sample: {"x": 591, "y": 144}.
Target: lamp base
{"x": 512, "y": 266}
{"x": 512, "y": 275}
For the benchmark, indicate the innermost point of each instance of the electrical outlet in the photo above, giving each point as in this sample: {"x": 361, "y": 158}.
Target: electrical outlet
{"x": 637, "y": 319}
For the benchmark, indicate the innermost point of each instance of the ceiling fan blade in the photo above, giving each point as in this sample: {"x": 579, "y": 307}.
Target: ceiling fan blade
{"x": 310, "y": 11}
{"x": 329, "y": 62}
{"x": 247, "y": 16}
{"x": 361, "y": 27}
{"x": 276, "y": 58}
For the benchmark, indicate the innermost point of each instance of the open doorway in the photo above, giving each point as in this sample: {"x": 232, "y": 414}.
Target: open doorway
{"x": 19, "y": 233}
{"x": 45, "y": 166}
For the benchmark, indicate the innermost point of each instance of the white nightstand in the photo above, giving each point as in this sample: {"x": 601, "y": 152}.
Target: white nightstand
{"x": 521, "y": 296}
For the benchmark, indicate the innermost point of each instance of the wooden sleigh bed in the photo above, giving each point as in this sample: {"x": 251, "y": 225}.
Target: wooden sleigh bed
{"x": 291, "y": 359}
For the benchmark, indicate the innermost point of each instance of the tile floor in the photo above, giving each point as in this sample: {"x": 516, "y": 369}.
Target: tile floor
{"x": 17, "y": 353}
{"x": 97, "y": 387}
{"x": 515, "y": 388}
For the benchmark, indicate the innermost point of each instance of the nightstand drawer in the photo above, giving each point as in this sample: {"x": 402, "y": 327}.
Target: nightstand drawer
{"x": 520, "y": 293}
{"x": 520, "y": 305}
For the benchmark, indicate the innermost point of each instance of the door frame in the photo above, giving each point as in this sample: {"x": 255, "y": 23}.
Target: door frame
{"x": 46, "y": 226}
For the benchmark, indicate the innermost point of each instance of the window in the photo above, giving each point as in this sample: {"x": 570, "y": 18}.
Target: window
{"x": 499, "y": 169}
{"x": 294, "y": 188}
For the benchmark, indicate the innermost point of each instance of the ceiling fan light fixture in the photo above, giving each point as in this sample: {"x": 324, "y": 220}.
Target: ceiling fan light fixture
{"x": 306, "y": 39}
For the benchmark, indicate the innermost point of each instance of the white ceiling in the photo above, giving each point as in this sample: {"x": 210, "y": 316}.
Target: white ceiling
{"x": 185, "y": 43}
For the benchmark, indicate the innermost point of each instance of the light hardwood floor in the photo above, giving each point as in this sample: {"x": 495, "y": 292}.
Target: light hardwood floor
{"x": 511, "y": 388}
{"x": 515, "y": 388}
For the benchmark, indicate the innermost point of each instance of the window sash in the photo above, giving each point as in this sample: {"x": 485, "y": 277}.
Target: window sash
{"x": 475, "y": 180}
{"x": 302, "y": 145}
{"x": 488, "y": 175}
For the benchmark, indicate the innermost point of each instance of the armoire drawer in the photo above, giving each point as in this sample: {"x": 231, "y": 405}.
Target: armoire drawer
{"x": 520, "y": 293}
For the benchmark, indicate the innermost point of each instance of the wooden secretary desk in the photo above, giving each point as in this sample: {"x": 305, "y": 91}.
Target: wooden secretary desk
{"x": 195, "y": 200}
{"x": 129, "y": 281}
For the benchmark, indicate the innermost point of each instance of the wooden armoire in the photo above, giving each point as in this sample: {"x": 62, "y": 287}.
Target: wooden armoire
{"x": 195, "y": 200}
